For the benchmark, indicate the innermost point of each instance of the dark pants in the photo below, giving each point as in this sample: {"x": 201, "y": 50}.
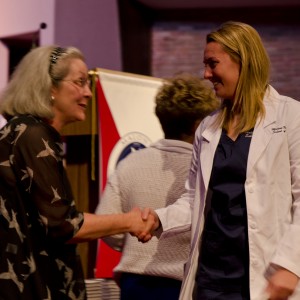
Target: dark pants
{"x": 143, "y": 287}
{"x": 204, "y": 294}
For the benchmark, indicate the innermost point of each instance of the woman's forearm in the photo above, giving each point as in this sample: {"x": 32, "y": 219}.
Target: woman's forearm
{"x": 98, "y": 226}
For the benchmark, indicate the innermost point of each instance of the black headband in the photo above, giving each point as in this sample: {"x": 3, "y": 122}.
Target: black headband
{"x": 55, "y": 54}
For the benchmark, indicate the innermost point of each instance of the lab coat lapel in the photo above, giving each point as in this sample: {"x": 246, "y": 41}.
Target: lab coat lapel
{"x": 262, "y": 135}
{"x": 210, "y": 140}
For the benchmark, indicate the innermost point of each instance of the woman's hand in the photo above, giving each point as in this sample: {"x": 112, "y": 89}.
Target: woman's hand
{"x": 143, "y": 223}
{"x": 281, "y": 284}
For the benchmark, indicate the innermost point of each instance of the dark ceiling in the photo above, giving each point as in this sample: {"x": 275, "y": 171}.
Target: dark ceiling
{"x": 187, "y": 4}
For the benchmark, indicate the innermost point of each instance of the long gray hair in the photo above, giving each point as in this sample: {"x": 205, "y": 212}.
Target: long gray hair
{"x": 29, "y": 90}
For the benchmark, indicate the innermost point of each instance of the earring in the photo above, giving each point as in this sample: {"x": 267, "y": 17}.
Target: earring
{"x": 52, "y": 99}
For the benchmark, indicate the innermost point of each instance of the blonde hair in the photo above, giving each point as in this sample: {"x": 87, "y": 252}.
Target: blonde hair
{"x": 181, "y": 102}
{"x": 244, "y": 45}
{"x": 29, "y": 90}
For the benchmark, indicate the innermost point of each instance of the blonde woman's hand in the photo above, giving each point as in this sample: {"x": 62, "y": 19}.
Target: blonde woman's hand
{"x": 281, "y": 284}
{"x": 148, "y": 213}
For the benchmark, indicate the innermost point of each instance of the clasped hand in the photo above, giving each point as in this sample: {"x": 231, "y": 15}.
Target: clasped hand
{"x": 143, "y": 223}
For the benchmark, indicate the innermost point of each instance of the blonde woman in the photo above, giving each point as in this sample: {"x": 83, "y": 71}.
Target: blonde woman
{"x": 243, "y": 190}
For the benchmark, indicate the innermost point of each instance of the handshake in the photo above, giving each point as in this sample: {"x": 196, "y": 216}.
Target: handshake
{"x": 142, "y": 223}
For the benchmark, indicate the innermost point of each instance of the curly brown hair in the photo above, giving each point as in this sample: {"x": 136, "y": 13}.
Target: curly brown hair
{"x": 182, "y": 102}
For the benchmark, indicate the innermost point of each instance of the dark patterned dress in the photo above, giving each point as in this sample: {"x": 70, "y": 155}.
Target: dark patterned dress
{"x": 37, "y": 216}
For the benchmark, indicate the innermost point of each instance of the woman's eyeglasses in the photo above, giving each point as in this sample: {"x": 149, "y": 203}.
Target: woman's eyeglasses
{"x": 82, "y": 82}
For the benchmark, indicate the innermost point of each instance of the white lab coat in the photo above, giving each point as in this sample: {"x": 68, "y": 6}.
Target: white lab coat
{"x": 272, "y": 190}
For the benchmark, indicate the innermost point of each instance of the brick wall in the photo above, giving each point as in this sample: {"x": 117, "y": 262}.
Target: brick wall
{"x": 178, "y": 47}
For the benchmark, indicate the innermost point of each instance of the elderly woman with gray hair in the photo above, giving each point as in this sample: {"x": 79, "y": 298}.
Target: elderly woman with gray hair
{"x": 39, "y": 222}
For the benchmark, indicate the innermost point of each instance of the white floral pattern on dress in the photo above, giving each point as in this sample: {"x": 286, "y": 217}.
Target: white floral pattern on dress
{"x": 37, "y": 216}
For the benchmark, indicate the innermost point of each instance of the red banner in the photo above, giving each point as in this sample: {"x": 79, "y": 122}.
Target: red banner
{"x": 126, "y": 121}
